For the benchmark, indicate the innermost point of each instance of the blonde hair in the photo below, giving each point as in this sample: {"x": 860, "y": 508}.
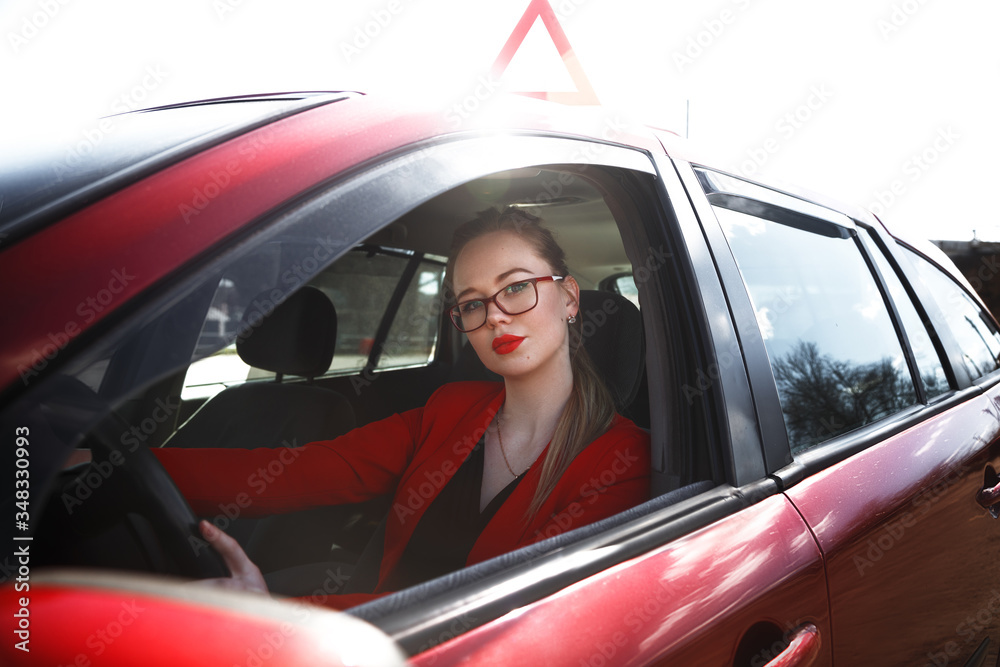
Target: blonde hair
{"x": 590, "y": 408}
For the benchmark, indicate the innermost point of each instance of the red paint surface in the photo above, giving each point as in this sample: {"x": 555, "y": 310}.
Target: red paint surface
{"x": 685, "y": 604}
{"x": 911, "y": 555}
{"x": 81, "y": 626}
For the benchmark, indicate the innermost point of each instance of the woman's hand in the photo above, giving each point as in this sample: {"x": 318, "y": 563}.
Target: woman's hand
{"x": 245, "y": 575}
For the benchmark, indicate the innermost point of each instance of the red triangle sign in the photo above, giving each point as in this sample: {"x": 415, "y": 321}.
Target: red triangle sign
{"x": 584, "y": 93}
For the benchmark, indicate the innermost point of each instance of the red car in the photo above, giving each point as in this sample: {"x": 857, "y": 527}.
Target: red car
{"x": 821, "y": 396}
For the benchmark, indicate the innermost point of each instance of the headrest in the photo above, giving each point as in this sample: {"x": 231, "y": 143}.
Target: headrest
{"x": 296, "y": 337}
{"x": 611, "y": 327}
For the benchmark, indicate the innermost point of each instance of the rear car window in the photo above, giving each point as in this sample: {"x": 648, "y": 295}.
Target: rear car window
{"x": 930, "y": 370}
{"x": 836, "y": 357}
{"x": 361, "y": 285}
{"x": 973, "y": 328}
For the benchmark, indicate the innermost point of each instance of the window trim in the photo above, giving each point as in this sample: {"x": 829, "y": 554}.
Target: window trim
{"x": 793, "y": 466}
{"x": 745, "y": 425}
{"x": 953, "y": 355}
{"x": 894, "y": 316}
{"x": 883, "y": 243}
{"x": 773, "y": 433}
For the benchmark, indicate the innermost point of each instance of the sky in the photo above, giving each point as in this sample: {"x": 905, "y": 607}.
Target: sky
{"x": 890, "y": 104}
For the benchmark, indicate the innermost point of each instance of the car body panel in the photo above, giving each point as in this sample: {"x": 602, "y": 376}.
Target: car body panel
{"x": 885, "y": 519}
{"x": 82, "y": 618}
{"x": 687, "y": 603}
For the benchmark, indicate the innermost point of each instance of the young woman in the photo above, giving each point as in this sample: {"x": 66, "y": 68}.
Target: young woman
{"x": 483, "y": 468}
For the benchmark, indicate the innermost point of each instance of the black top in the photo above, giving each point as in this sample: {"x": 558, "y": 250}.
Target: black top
{"x": 444, "y": 536}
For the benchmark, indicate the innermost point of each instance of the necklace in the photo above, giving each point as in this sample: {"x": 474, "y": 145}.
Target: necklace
{"x": 502, "y": 452}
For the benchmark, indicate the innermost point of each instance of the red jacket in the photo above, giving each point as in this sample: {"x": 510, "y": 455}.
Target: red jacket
{"x": 412, "y": 456}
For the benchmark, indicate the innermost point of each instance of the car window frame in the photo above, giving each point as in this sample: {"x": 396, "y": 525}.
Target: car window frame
{"x": 936, "y": 315}
{"x": 420, "y": 616}
{"x": 772, "y": 435}
{"x": 884, "y": 243}
{"x": 798, "y": 465}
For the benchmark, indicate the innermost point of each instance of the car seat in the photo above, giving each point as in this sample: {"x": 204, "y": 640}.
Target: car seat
{"x": 296, "y": 338}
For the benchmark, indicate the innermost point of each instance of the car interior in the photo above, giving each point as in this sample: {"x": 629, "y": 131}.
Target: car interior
{"x": 355, "y": 340}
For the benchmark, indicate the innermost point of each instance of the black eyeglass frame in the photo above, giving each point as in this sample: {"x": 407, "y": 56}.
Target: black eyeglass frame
{"x": 455, "y": 311}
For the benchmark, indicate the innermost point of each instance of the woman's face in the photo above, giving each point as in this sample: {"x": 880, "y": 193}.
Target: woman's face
{"x": 516, "y": 346}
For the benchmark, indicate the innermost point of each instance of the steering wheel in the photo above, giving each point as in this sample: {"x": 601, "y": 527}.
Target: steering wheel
{"x": 121, "y": 479}
{"x": 138, "y": 475}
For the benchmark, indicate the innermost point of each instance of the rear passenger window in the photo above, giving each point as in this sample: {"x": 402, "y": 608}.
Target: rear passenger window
{"x": 929, "y": 368}
{"x": 973, "y": 328}
{"x": 835, "y": 354}
{"x": 362, "y": 285}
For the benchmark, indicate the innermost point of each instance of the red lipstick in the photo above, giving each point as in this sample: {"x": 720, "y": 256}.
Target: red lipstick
{"x": 506, "y": 344}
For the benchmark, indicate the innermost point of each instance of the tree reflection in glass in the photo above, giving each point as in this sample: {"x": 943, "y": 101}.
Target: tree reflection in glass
{"x": 823, "y": 397}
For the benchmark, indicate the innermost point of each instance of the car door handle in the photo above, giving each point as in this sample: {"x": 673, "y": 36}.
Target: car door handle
{"x": 802, "y": 650}
{"x": 989, "y": 498}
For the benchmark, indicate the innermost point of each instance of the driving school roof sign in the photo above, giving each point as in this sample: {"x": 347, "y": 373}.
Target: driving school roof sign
{"x": 541, "y": 9}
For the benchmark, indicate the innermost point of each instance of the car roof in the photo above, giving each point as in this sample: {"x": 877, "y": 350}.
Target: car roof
{"x": 47, "y": 177}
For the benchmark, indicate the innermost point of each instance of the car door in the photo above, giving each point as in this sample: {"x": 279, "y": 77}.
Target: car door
{"x": 931, "y": 545}
{"x": 890, "y": 424}
{"x": 717, "y": 570}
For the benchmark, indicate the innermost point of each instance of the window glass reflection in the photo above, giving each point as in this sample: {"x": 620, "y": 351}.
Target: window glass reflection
{"x": 836, "y": 358}
{"x": 929, "y": 365}
{"x": 972, "y": 328}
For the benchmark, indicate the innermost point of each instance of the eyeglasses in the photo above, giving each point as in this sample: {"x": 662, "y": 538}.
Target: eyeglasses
{"x": 514, "y": 299}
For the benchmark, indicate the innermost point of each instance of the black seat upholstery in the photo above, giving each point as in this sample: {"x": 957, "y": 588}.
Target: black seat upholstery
{"x": 612, "y": 334}
{"x": 296, "y": 338}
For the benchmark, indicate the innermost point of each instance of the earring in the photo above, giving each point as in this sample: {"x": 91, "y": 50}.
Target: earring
{"x": 572, "y": 319}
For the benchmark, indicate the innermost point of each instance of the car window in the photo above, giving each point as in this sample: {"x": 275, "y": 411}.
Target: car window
{"x": 973, "y": 328}
{"x": 360, "y": 285}
{"x": 930, "y": 369}
{"x": 832, "y": 346}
